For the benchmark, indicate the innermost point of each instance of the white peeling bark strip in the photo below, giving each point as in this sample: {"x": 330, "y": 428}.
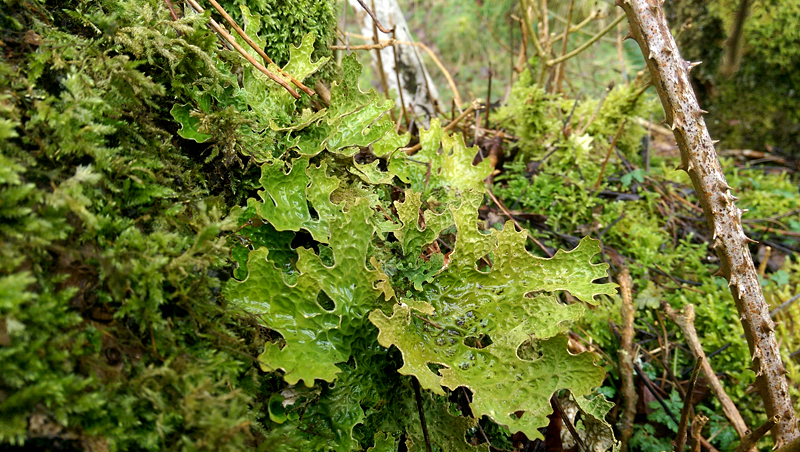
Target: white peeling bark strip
{"x": 419, "y": 92}
{"x": 698, "y": 157}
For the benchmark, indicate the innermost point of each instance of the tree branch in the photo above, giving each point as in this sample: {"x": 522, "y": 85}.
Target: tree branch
{"x": 670, "y": 76}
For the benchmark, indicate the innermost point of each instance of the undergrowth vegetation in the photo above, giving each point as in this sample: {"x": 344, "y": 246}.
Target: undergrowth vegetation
{"x": 193, "y": 259}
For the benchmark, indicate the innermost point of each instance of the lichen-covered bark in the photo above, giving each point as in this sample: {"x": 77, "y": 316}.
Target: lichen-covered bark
{"x": 419, "y": 92}
{"x": 698, "y": 158}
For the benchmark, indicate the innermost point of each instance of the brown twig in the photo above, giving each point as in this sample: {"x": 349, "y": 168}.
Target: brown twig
{"x": 420, "y": 408}
{"x": 698, "y": 423}
{"x": 608, "y": 155}
{"x": 628, "y": 389}
{"x": 685, "y": 322}
{"x": 379, "y": 58}
{"x": 680, "y": 439}
{"x": 669, "y": 73}
{"x": 560, "y": 68}
{"x": 256, "y": 47}
{"x": 511, "y": 217}
{"x": 749, "y": 442}
{"x": 171, "y": 10}
{"x": 380, "y": 45}
{"x": 375, "y": 19}
{"x": 227, "y": 36}
{"x": 447, "y": 128}
{"x": 568, "y": 422}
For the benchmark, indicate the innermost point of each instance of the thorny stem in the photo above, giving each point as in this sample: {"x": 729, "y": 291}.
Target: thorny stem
{"x": 670, "y": 76}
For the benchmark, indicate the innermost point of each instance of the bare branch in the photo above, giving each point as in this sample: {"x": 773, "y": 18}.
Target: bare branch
{"x": 216, "y": 27}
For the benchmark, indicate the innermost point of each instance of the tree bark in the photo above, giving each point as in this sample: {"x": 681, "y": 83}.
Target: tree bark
{"x": 416, "y": 89}
{"x": 698, "y": 158}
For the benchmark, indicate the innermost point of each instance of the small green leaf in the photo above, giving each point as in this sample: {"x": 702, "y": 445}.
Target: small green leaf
{"x": 189, "y": 124}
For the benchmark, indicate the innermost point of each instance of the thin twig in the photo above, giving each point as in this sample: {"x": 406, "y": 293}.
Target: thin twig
{"x": 256, "y": 47}
{"x": 381, "y": 72}
{"x": 628, "y": 390}
{"x": 511, "y": 217}
{"x": 560, "y": 68}
{"x": 242, "y": 52}
{"x": 586, "y": 44}
{"x": 531, "y": 33}
{"x": 420, "y": 408}
{"x": 568, "y": 423}
{"x": 608, "y": 155}
{"x": 375, "y": 19}
{"x": 784, "y": 305}
{"x": 680, "y": 440}
{"x": 378, "y": 46}
{"x": 647, "y": 382}
{"x": 749, "y": 442}
{"x": 171, "y": 10}
{"x": 685, "y": 322}
{"x": 447, "y": 128}
{"x": 593, "y": 15}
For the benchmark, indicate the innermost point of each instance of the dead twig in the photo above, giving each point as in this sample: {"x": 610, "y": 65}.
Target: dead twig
{"x": 628, "y": 391}
{"x": 685, "y": 322}
{"x": 511, "y": 217}
{"x": 608, "y": 155}
{"x": 227, "y": 36}
{"x": 680, "y": 440}
{"x": 698, "y": 423}
{"x": 171, "y": 10}
{"x": 447, "y": 128}
{"x": 380, "y": 45}
{"x": 568, "y": 422}
{"x": 784, "y": 305}
{"x": 560, "y": 68}
{"x": 749, "y": 442}
{"x": 375, "y": 19}
{"x": 256, "y": 47}
{"x": 421, "y": 409}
